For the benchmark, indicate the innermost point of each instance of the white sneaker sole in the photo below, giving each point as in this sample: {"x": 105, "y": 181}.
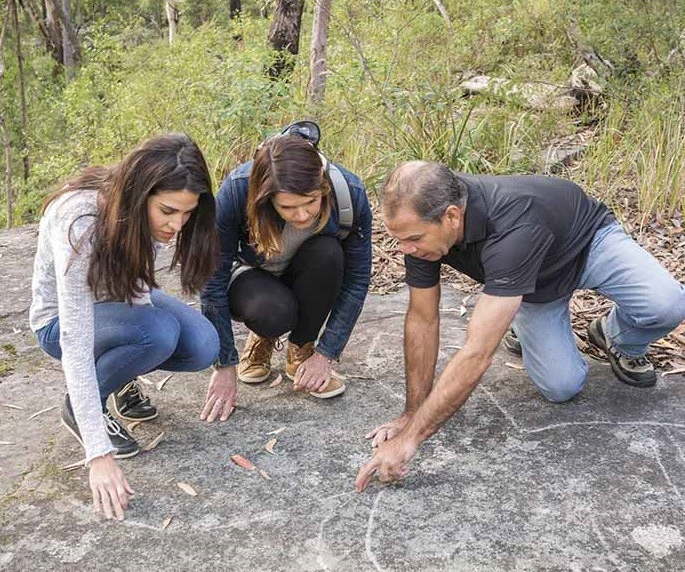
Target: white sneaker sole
{"x": 322, "y": 394}
{"x": 328, "y": 394}
{"x": 120, "y": 414}
{"x": 253, "y": 379}
{"x": 116, "y": 455}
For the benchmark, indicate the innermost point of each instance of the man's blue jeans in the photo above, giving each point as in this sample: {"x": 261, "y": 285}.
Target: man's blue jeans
{"x": 649, "y": 303}
{"x": 131, "y": 340}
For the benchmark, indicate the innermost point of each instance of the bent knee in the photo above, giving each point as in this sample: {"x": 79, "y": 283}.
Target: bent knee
{"x": 325, "y": 252}
{"x": 273, "y": 318}
{"x": 203, "y": 348}
{"x": 163, "y": 332}
{"x": 667, "y": 308}
{"x": 564, "y": 387}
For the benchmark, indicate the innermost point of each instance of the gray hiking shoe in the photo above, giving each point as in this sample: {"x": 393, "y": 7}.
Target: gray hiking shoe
{"x": 635, "y": 371}
{"x": 512, "y": 343}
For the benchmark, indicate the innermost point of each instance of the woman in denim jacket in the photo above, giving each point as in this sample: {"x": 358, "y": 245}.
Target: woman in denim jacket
{"x": 284, "y": 269}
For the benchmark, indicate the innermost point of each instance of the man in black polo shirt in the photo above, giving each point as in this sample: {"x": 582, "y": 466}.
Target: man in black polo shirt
{"x": 531, "y": 241}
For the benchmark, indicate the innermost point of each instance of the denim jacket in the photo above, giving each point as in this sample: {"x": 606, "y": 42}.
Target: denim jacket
{"x": 231, "y": 222}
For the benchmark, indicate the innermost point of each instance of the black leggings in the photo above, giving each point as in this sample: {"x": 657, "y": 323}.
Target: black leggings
{"x": 299, "y": 301}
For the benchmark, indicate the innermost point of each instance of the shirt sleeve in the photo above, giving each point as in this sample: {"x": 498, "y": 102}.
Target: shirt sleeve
{"x": 357, "y": 277}
{"x": 76, "y": 322}
{"x": 421, "y": 273}
{"x": 214, "y": 296}
{"x": 512, "y": 260}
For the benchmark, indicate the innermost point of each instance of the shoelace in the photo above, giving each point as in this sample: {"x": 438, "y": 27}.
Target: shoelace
{"x": 301, "y": 353}
{"x": 260, "y": 351}
{"x": 638, "y": 361}
{"x": 134, "y": 392}
{"x": 113, "y": 427}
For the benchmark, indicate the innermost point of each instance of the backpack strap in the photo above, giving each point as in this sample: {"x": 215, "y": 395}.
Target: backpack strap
{"x": 344, "y": 200}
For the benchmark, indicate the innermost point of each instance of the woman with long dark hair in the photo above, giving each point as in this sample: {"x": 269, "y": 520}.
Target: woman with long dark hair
{"x": 285, "y": 267}
{"x": 96, "y": 303}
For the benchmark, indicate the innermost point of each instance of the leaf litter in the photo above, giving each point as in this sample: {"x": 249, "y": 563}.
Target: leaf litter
{"x": 276, "y": 381}
{"x": 276, "y": 431}
{"x": 12, "y": 406}
{"x": 248, "y": 465}
{"x": 152, "y": 444}
{"x": 73, "y": 466}
{"x": 167, "y": 522}
{"x": 37, "y": 413}
{"x": 243, "y": 462}
{"x": 160, "y": 384}
{"x": 188, "y": 489}
{"x": 264, "y": 474}
{"x": 132, "y": 425}
{"x": 270, "y": 444}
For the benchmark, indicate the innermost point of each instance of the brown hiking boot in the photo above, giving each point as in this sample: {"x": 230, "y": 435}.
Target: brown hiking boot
{"x": 296, "y": 355}
{"x": 255, "y": 361}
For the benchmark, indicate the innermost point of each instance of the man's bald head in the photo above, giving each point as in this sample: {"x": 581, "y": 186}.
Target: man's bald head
{"x": 427, "y": 188}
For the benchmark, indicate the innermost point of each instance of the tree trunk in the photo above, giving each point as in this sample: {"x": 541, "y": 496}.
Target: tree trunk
{"x": 67, "y": 46}
{"x": 172, "y": 15}
{"x": 3, "y": 128}
{"x": 235, "y": 8}
{"x": 317, "y": 67}
{"x": 53, "y": 40}
{"x": 22, "y": 90}
{"x": 65, "y": 27}
{"x": 284, "y": 36}
{"x": 40, "y": 21}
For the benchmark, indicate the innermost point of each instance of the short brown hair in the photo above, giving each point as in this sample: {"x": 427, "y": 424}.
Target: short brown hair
{"x": 283, "y": 164}
{"x": 428, "y": 188}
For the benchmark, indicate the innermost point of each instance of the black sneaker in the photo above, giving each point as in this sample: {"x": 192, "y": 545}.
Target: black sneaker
{"x": 125, "y": 444}
{"x": 131, "y": 404}
{"x": 512, "y": 343}
{"x": 636, "y": 371}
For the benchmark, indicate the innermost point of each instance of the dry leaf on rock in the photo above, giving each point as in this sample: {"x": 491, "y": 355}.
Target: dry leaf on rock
{"x": 167, "y": 522}
{"x": 11, "y": 406}
{"x": 132, "y": 425}
{"x": 186, "y": 488}
{"x": 674, "y": 371}
{"x": 37, "y": 413}
{"x": 160, "y": 384}
{"x": 276, "y": 381}
{"x": 276, "y": 431}
{"x": 6, "y": 442}
{"x": 144, "y": 380}
{"x": 152, "y": 444}
{"x": 270, "y": 444}
{"x": 515, "y": 365}
{"x": 264, "y": 474}
{"x": 243, "y": 462}
{"x": 73, "y": 466}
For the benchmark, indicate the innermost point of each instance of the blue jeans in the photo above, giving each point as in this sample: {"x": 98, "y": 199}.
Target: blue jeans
{"x": 132, "y": 340}
{"x": 649, "y": 303}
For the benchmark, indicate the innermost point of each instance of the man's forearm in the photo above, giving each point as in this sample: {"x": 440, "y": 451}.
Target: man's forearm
{"x": 449, "y": 393}
{"x": 421, "y": 340}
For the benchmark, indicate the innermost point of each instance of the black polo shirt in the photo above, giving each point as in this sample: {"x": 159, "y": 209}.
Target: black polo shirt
{"x": 523, "y": 235}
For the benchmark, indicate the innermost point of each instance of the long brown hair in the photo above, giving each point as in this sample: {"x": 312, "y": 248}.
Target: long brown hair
{"x": 283, "y": 164}
{"x": 123, "y": 253}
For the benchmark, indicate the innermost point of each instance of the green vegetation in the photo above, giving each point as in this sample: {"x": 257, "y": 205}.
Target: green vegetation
{"x": 392, "y": 93}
